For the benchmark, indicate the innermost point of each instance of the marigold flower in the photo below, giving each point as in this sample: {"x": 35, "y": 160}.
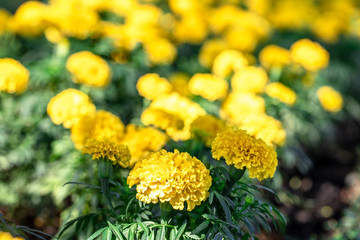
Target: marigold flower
{"x": 208, "y": 86}
{"x": 206, "y": 127}
{"x": 191, "y": 28}
{"x": 263, "y": 126}
{"x": 117, "y": 153}
{"x": 151, "y": 85}
{"x": 161, "y": 119}
{"x": 209, "y": 50}
{"x": 179, "y": 81}
{"x": 8, "y": 236}
{"x": 68, "y": 106}
{"x": 249, "y": 79}
{"x": 142, "y": 141}
{"x": 14, "y": 77}
{"x": 98, "y": 125}
{"x": 330, "y": 99}
{"x": 171, "y": 177}
{"x": 227, "y": 62}
{"x": 311, "y": 55}
{"x": 239, "y": 105}
{"x": 160, "y": 51}
{"x": 180, "y": 106}
{"x": 5, "y": 17}
{"x": 241, "y": 39}
{"x": 242, "y": 150}
{"x": 89, "y": 69}
{"x": 281, "y": 92}
{"x": 274, "y": 56}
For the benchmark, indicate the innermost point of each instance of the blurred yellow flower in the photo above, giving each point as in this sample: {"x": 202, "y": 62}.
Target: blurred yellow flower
{"x": 281, "y": 92}
{"x": 191, "y": 28}
{"x": 263, "y": 126}
{"x": 14, "y": 77}
{"x": 98, "y": 125}
{"x": 208, "y": 86}
{"x": 209, "y": 50}
{"x": 68, "y": 106}
{"x": 241, "y": 39}
{"x": 206, "y": 127}
{"x": 249, "y": 79}
{"x": 274, "y": 56}
{"x": 311, "y": 55}
{"x": 53, "y": 35}
{"x": 89, "y": 69}
{"x": 160, "y": 51}
{"x": 31, "y": 18}
{"x": 171, "y": 177}
{"x": 5, "y": 18}
{"x": 142, "y": 141}
{"x": 151, "y": 86}
{"x": 227, "y": 62}
{"x": 329, "y": 26}
{"x": 117, "y": 153}
{"x": 330, "y": 99}
{"x": 161, "y": 119}
{"x": 180, "y": 106}
{"x": 179, "y": 81}
{"x": 239, "y": 105}
{"x": 242, "y": 150}
{"x": 8, "y": 236}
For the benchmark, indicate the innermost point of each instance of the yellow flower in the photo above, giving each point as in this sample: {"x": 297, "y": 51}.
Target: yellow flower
{"x": 329, "y": 26}
{"x": 241, "y": 39}
{"x": 68, "y": 106}
{"x": 281, "y": 92}
{"x": 330, "y": 99}
{"x": 142, "y": 141}
{"x": 242, "y": 150}
{"x": 171, "y": 177}
{"x": 263, "y": 126}
{"x": 5, "y": 18}
{"x": 53, "y": 35}
{"x": 208, "y": 86}
{"x": 274, "y": 56}
{"x": 89, "y": 69}
{"x": 249, "y": 79}
{"x": 206, "y": 127}
{"x": 30, "y": 19}
{"x": 14, "y": 77}
{"x": 209, "y": 50}
{"x": 191, "y": 28}
{"x": 117, "y": 153}
{"x": 311, "y": 55}
{"x": 227, "y": 62}
{"x": 161, "y": 119}
{"x": 151, "y": 85}
{"x": 160, "y": 51}
{"x": 179, "y": 81}
{"x": 8, "y": 236}
{"x": 180, "y": 106}
{"x": 239, "y": 105}
{"x": 98, "y": 126}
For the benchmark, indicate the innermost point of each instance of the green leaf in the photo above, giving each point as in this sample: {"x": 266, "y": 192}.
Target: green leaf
{"x": 132, "y": 232}
{"x": 107, "y": 234}
{"x": 181, "y": 231}
{"x": 201, "y": 227}
{"x": 144, "y": 227}
{"x": 224, "y": 206}
{"x": 211, "y": 197}
{"x": 227, "y": 232}
{"x": 161, "y": 233}
{"x": 115, "y": 231}
{"x": 172, "y": 234}
{"x": 97, "y": 233}
{"x": 218, "y": 236}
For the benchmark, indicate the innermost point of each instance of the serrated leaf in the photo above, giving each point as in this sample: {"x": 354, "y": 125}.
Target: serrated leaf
{"x": 201, "y": 227}
{"x": 97, "y": 233}
{"x": 224, "y": 206}
{"x": 115, "y": 231}
{"x": 144, "y": 227}
{"x": 107, "y": 234}
{"x": 218, "y": 236}
{"x": 181, "y": 231}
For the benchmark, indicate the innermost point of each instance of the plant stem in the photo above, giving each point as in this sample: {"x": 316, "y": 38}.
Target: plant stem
{"x": 105, "y": 172}
{"x": 165, "y": 209}
{"x": 235, "y": 175}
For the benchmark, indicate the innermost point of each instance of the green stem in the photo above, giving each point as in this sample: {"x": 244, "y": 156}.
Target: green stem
{"x": 165, "y": 209}
{"x": 105, "y": 172}
{"x": 235, "y": 175}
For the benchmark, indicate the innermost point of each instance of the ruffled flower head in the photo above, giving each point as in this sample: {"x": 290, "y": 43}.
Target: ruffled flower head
{"x": 206, "y": 127}
{"x": 208, "y": 86}
{"x": 242, "y": 150}
{"x": 151, "y": 85}
{"x": 117, "y": 153}
{"x": 14, "y": 77}
{"x": 68, "y": 106}
{"x": 171, "y": 177}
{"x": 89, "y": 69}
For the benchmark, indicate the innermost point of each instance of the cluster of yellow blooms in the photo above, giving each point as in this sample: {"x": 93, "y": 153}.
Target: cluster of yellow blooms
{"x": 171, "y": 177}
{"x": 14, "y": 77}
{"x": 8, "y": 236}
